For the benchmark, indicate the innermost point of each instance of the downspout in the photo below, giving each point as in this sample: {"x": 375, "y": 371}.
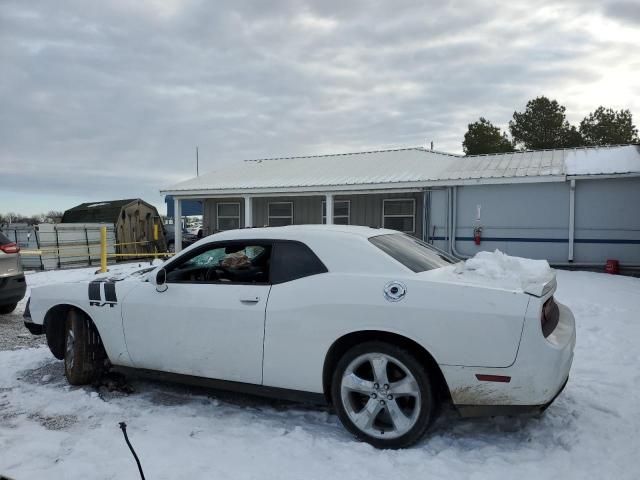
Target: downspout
{"x": 454, "y": 220}
{"x": 448, "y": 226}
{"x": 572, "y": 217}
{"x": 425, "y": 216}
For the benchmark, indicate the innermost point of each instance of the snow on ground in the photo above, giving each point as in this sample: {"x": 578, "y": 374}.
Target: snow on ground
{"x": 49, "y": 429}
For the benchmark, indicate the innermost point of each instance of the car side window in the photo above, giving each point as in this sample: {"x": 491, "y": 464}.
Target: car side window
{"x": 230, "y": 263}
{"x": 292, "y": 260}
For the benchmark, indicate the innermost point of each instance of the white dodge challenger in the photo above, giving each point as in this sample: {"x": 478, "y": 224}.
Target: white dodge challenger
{"x": 379, "y": 324}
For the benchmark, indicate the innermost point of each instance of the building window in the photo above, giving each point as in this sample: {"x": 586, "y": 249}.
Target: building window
{"x": 228, "y": 217}
{"x": 280, "y": 214}
{"x": 399, "y": 214}
{"x": 341, "y": 212}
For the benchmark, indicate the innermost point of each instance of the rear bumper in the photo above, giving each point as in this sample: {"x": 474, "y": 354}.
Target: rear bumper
{"x": 34, "y": 328}
{"x": 506, "y": 410}
{"x": 12, "y": 289}
{"x": 535, "y": 379}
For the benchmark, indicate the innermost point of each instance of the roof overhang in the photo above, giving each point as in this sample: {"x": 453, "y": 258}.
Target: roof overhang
{"x": 360, "y": 189}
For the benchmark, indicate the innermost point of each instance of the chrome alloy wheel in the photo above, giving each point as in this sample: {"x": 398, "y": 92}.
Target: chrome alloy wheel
{"x": 71, "y": 340}
{"x": 380, "y": 395}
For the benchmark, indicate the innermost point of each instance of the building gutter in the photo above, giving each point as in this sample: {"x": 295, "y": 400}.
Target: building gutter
{"x": 203, "y": 195}
{"x": 603, "y": 176}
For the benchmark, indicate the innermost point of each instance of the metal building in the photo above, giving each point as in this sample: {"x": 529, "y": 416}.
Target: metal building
{"x": 570, "y": 206}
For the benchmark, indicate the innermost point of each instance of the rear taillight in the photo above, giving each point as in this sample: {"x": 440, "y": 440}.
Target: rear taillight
{"x": 549, "y": 317}
{"x": 10, "y": 248}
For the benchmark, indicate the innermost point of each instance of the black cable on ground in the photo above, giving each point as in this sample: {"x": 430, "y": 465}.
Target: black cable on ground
{"x": 123, "y": 427}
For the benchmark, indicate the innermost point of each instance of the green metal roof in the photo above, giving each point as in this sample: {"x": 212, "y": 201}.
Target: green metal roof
{"x": 97, "y": 212}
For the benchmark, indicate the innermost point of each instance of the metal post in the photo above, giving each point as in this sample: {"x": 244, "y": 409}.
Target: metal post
{"x": 177, "y": 222}
{"x": 86, "y": 237}
{"x": 448, "y": 220}
{"x": 425, "y": 216}
{"x": 248, "y": 211}
{"x": 103, "y": 249}
{"x": 37, "y": 234}
{"x": 57, "y": 246}
{"x": 329, "y": 205}
{"x": 572, "y": 217}
{"x": 155, "y": 239}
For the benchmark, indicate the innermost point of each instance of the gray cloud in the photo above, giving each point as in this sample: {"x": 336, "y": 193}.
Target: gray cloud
{"x": 626, "y": 11}
{"x": 109, "y": 99}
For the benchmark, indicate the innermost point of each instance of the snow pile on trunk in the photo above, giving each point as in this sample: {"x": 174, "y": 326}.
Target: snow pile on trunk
{"x": 503, "y": 268}
{"x": 499, "y": 270}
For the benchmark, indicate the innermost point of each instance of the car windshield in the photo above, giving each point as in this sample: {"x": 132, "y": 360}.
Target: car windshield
{"x": 414, "y": 254}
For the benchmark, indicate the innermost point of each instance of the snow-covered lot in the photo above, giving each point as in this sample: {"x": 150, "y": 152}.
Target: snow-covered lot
{"x": 50, "y": 430}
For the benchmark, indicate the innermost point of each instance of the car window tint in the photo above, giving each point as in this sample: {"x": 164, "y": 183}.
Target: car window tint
{"x": 4, "y": 240}
{"x": 292, "y": 260}
{"x": 411, "y": 252}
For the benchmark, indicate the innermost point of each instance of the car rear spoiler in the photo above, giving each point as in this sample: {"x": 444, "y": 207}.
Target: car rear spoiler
{"x": 542, "y": 288}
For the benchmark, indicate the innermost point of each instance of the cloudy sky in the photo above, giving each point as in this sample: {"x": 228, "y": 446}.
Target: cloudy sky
{"x": 104, "y": 100}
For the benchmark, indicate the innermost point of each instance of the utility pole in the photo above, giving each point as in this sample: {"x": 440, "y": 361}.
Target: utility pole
{"x": 197, "y": 163}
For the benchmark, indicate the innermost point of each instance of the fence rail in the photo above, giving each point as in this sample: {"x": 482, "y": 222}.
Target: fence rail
{"x": 49, "y": 247}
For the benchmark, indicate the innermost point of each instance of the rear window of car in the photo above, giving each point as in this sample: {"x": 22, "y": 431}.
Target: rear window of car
{"x": 292, "y": 260}
{"x": 414, "y": 254}
{"x": 4, "y": 240}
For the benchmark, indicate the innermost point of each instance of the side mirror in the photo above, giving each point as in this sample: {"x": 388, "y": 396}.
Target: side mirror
{"x": 161, "y": 280}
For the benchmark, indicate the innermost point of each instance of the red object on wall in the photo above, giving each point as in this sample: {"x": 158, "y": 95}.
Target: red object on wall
{"x": 612, "y": 267}
{"x": 477, "y": 235}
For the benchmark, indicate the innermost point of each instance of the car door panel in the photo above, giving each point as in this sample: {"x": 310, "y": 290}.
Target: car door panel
{"x": 212, "y": 330}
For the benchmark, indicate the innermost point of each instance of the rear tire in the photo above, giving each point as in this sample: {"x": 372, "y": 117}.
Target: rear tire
{"x": 83, "y": 354}
{"x": 7, "y": 309}
{"x": 383, "y": 395}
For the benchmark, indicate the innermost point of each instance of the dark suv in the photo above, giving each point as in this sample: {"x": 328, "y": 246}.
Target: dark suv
{"x": 12, "y": 284}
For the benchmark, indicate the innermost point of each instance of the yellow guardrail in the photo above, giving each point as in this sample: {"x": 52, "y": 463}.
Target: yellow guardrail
{"x": 58, "y": 250}
{"x": 103, "y": 249}
{"x": 104, "y": 255}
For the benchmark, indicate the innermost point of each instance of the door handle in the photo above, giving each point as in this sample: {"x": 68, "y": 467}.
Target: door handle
{"x": 250, "y": 299}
